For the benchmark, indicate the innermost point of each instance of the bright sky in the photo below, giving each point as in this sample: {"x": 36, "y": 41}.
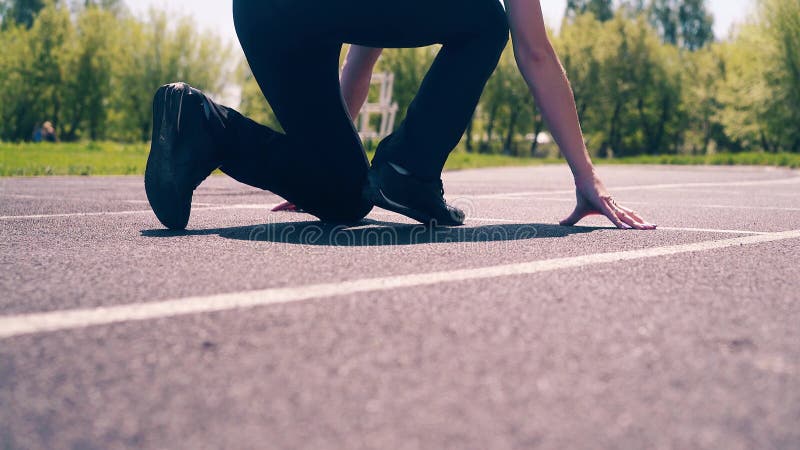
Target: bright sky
{"x": 216, "y": 14}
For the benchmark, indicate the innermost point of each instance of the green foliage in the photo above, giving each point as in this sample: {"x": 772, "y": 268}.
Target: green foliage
{"x": 649, "y": 80}
{"x": 409, "y": 66}
{"x": 704, "y": 73}
{"x": 627, "y": 84}
{"x": 253, "y": 104}
{"x": 686, "y": 23}
{"x": 761, "y": 89}
{"x": 507, "y": 108}
{"x": 89, "y": 64}
{"x": 647, "y": 77}
{"x": 601, "y": 9}
{"x": 781, "y": 20}
{"x": 159, "y": 51}
{"x": 20, "y": 12}
{"x": 789, "y": 160}
{"x": 92, "y": 69}
{"x": 697, "y": 24}
{"x": 32, "y": 68}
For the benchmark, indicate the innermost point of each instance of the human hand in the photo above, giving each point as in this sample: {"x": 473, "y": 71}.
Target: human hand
{"x": 594, "y": 199}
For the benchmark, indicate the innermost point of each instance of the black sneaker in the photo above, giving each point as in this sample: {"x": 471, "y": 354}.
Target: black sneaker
{"x": 182, "y": 153}
{"x": 420, "y": 200}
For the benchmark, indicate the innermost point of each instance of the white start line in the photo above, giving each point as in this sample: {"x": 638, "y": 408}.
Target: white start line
{"x": 501, "y": 196}
{"x": 129, "y": 213}
{"x": 511, "y": 195}
{"x": 26, "y": 324}
{"x": 268, "y": 207}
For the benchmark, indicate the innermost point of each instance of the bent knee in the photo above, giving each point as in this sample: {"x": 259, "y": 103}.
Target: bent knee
{"x": 339, "y": 206}
{"x": 344, "y": 212}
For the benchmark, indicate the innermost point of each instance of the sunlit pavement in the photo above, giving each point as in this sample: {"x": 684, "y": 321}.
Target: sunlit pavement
{"x": 267, "y": 330}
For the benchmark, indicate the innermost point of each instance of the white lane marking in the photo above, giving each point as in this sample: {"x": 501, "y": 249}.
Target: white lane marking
{"x": 34, "y": 197}
{"x": 75, "y": 199}
{"x": 504, "y": 196}
{"x": 125, "y": 213}
{"x": 269, "y": 207}
{"x": 66, "y": 198}
{"x": 709, "y": 191}
{"x": 570, "y": 199}
{"x": 705, "y": 230}
{"x": 735, "y": 207}
{"x": 489, "y": 219}
{"x": 54, "y": 216}
{"x": 508, "y": 196}
{"x": 682, "y": 205}
{"x": 194, "y": 204}
{"x": 18, "y": 325}
{"x": 712, "y": 230}
{"x": 792, "y": 180}
{"x": 761, "y": 208}
{"x": 495, "y": 220}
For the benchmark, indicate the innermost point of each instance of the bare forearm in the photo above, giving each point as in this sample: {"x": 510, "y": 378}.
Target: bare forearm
{"x": 551, "y": 89}
{"x": 356, "y": 77}
{"x": 355, "y": 89}
{"x": 547, "y": 81}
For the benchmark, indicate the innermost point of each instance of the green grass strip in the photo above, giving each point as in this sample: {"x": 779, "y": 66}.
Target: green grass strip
{"x": 103, "y": 158}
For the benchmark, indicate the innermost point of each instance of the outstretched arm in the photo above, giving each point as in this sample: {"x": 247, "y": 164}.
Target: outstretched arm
{"x": 356, "y": 76}
{"x": 542, "y": 70}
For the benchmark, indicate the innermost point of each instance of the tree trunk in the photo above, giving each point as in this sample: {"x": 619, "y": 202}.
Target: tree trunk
{"x": 512, "y": 124}
{"x": 765, "y": 142}
{"x": 56, "y": 112}
{"x": 469, "y": 133}
{"x": 582, "y": 109}
{"x": 612, "y": 143}
{"x": 490, "y": 129}
{"x": 706, "y": 133}
{"x": 71, "y": 134}
{"x": 648, "y": 132}
{"x": 662, "y": 124}
{"x": 539, "y": 125}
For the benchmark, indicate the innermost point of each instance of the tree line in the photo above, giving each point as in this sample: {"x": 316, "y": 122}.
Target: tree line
{"x": 648, "y": 76}
{"x": 91, "y": 68}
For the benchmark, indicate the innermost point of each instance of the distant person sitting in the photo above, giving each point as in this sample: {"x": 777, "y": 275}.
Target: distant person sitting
{"x": 36, "y": 136}
{"x": 49, "y": 133}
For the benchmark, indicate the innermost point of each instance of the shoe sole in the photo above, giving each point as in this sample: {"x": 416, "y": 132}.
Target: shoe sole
{"x": 379, "y": 199}
{"x": 171, "y": 206}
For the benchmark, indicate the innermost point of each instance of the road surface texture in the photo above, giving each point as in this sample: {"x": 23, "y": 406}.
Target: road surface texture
{"x": 258, "y": 330}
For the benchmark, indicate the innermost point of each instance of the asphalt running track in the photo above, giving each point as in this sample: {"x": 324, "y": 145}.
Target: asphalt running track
{"x": 266, "y": 330}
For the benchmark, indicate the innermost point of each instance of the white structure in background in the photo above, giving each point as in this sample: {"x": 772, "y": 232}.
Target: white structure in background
{"x": 385, "y": 107}
{"x": 541, "y": 138}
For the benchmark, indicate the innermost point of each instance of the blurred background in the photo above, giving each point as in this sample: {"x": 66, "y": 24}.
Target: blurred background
{"x": 652, "y": 78}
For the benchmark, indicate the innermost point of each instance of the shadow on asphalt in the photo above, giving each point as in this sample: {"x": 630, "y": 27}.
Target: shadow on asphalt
{"x": 372, "y": 233}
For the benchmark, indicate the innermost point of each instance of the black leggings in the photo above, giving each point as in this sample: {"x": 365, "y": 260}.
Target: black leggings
{"x": 293, "y": 48}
